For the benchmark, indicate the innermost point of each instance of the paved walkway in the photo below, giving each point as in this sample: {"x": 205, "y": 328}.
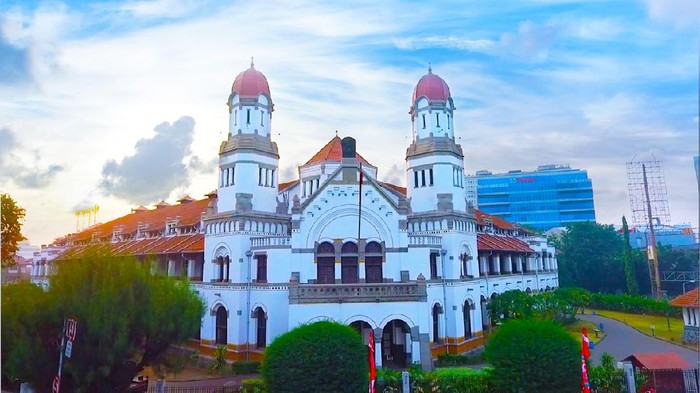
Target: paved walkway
{"x": 623, "y": 340}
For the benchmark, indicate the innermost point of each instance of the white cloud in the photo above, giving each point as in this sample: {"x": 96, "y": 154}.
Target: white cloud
{"x": 682, "y": 13}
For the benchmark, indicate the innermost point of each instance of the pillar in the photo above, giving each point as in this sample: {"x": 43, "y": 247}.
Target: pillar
{"x": 378, "y": 332}
{"x": 497, "y": 264}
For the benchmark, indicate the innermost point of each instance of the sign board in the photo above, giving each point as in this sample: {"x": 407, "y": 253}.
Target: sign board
{"x": 56, "y": 385}
{"x": 71, "y": 329}
{"x": 69, "y": 348}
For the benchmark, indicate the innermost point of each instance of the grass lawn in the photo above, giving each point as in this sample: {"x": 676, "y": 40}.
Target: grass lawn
{"x": 643, "y": 323}
{"x": 575, "y": 331}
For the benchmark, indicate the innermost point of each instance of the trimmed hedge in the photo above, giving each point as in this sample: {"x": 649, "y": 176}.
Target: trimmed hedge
{"x": 245, "y": 367}
{"x": 633, "y": 304}
{"x": 253, "y": 385}
{"x": 449, "y": 359}
{"x": 320, "y": 357}
{"x": 448, "y": 380}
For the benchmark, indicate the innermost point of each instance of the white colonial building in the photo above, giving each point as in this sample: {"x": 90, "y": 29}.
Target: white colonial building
{"x": 417, "y": 264}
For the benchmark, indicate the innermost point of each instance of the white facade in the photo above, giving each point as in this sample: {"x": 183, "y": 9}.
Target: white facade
{"x": 276, "y": 258}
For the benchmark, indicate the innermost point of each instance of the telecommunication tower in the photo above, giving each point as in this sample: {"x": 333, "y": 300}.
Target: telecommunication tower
{"x": 649, "y": 204}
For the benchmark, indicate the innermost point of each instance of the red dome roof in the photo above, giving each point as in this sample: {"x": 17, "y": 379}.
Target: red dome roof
{"x": 250, "y": 84}
{"x": 432, "y": 87}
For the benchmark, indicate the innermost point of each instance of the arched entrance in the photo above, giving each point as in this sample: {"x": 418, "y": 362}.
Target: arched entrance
{"x": 221, "y": 326}
{"x": 467, "y": 315}
{"x": 260, "y": 328}
{"x": 396, "y": 344}
{"x": 363, "y": 328}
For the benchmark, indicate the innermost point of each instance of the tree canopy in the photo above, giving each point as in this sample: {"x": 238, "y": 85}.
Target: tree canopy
{"x": 12, "y": 217}
{"x": 534, "y": 356}
{"x": 590, "y": 256}
{"x": 126, "y": 318}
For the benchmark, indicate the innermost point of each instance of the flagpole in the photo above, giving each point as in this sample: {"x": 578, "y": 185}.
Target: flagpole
{"x": 359, "y": 212}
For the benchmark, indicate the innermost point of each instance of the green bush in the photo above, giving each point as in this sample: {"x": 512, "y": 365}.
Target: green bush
{"x": 245, "y": 367}
{"x": 534, "y": 356}
{"x": 464, "y": 380}
{"x": 253, "y": 385}
{"x": 450, "y": 359}
{"x": 219, "y": 362}
{"x": 319, "y": 357}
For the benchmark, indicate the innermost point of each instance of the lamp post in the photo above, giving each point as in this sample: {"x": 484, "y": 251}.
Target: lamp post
{"x": 687, "y": 282}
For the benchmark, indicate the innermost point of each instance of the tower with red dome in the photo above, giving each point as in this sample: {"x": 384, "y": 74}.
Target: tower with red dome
{"x": 249, "y": 159}
{"x": 434, "y": 161}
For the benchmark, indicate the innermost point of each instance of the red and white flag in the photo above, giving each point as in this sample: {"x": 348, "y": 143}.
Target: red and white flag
{"x": 585, "y": 345}
{"x": 372, "y": 366}
{"x": 585, "y": 354}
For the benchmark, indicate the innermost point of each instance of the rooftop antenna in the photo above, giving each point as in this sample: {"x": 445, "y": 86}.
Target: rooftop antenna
{"x": 430, "y": 68}
{"x": 252, "y": 64}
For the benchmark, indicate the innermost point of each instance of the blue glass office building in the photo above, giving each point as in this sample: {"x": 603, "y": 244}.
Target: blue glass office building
{"x": 552, "y": 196}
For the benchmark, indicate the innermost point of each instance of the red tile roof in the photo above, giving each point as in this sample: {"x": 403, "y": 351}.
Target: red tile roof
{"x": 660, "y": 361}
{"x": 333, "y": 151}
{"x": 688, "y": 299}
{"x": 182, "y": 244}
{"x": 189, "y": 213}
{"x": 399, "y": 189}
{"x": 283, "y": 186}
{"x": 481, "y": 218}
{"x": 486, "y": 242}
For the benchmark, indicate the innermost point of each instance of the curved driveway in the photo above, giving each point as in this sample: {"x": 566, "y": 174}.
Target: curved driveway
{"x": 622, "y": 341}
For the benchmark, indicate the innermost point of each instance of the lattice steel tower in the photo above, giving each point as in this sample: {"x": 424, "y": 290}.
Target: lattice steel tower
{"x": 649, "y": 204}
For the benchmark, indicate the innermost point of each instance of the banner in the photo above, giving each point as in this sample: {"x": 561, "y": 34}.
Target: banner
{"x": 372, "y": 366}
{"x": 585, "y": 354}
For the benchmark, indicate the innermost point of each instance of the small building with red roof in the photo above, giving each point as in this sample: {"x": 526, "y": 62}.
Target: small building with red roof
{"x": 690, "y": 304}
{"x": 664, "y": 371}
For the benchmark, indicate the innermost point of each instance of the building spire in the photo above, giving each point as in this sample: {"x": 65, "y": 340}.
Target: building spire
{"x": 430, "y": 69}
{"x": 252, "y": 65}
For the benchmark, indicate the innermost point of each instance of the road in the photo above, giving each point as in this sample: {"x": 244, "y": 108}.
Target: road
{"x": 622, "y": 341}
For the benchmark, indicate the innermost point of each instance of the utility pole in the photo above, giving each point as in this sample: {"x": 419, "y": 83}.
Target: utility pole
{"x": 652, "y": 252}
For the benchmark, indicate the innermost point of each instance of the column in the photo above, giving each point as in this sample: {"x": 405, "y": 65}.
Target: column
{"x": 507, "y": 264}
{"x": 497, "y": 264}
{"x": 378, "y": 347}
{"x": 171, "y": 268}
{"x": 190, "y": 268}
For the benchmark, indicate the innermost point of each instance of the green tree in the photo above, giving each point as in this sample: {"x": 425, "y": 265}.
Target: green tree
{"x": 534, "y": 356}
{"x": 632, "y": 286}
{"x": 127, "y": 318}
{"x": 511, "y": 304}
{"x": 606, "y": 378}
{"x": 590, "y": 257}
{"x": 12, "y": 217}
{"x": 320, "y": 357}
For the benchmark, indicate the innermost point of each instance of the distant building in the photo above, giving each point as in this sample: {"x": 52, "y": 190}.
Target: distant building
{"x": 691, "y": 315}
{"x": 552, "y": 196}
{"x": 677, "y": 236}
{"x": 20, "y": 271}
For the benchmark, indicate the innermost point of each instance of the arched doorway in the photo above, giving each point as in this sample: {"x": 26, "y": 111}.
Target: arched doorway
{"x": 467, "y": 315}
{"x": 363, "y": 328}
{"x": 348, "y": 264}
{"x": 396, "y": 344}
{"x": 484, "y": 313}
{"x": 325, "y": 263}
{"x": 436, "y": 311}
{"x": 373, "y": 263}
{"x": 221, "y": 325}
{"x": 260, "y": 328}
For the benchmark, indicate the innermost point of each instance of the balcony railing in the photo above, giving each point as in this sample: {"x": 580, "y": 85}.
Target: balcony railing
{"x": 357, "y": 293}
{"x": 270, "y": 241}
{"x": 424, "y": 241}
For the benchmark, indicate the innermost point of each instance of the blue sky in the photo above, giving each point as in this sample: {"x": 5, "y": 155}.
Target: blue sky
{"x": 93, "y": 94}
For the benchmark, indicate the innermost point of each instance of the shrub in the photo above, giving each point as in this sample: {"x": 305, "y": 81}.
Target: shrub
{"x": 245, "y": 367}
{"x": 534, "y": 356}
{"x": 219, "y": 362}
{"x": 253, "y": 385}
{"x": 449, "y": 359}
{"x": 464, "y": 380}
{"x": 606, "y": 377}
{"x": 320, "y": 357}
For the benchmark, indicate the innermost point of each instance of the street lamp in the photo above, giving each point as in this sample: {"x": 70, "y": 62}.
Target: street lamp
{"x": 687, "y": 282}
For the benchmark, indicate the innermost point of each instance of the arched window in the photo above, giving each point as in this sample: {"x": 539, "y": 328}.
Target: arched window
{"x": 261, "y": 328}
{"x": 373, "y": 263}
{"x": 221, "y": 325}
{"x": 325, "y": 263}
{"x": 437, "y": 310}
{"x": 348, "y": 264}
{"x": 467, "y": 312}
{"x": 423, "y": 121}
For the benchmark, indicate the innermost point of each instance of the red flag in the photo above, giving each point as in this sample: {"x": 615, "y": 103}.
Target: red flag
{"x": 585, "y": 354}
{"x": 372, "y": 366}
{"x": 585, "y": 345}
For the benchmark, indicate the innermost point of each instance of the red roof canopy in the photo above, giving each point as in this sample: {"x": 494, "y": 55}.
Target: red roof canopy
{"x": 660, "y": 361}
{"x": 688, "y": 299}
{"x": 486, "y": 242}
{"x": 482, "y": 217}
{"x": 250, "y": 84}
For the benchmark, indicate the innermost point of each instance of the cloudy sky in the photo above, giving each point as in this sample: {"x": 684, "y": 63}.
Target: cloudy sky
{"x": 123, "y": 103}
